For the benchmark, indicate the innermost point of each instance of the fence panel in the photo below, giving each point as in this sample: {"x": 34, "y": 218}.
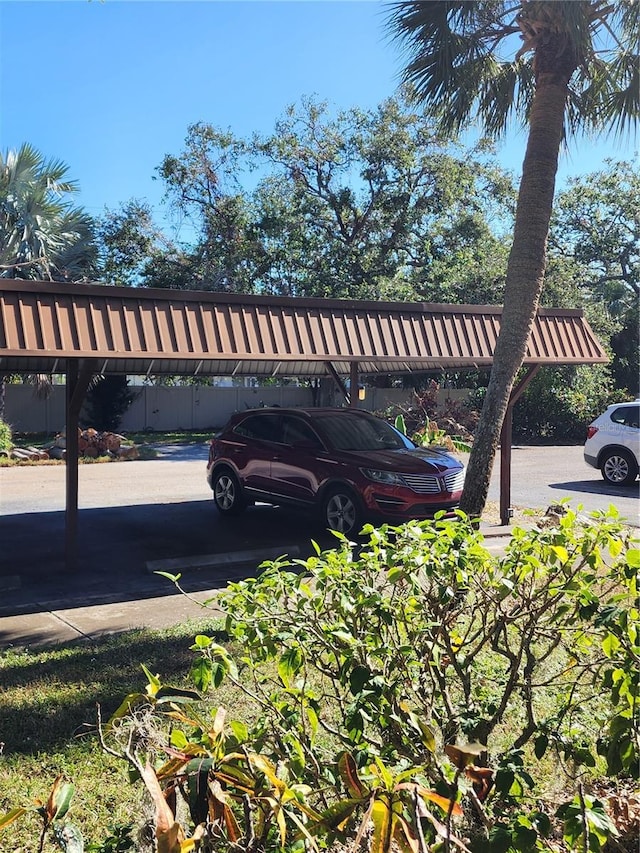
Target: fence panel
{"x": 191, "y": 407}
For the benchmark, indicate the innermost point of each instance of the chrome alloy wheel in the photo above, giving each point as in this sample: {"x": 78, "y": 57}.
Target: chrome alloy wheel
{"x": 225, "y": 492}
{"x": 617, "y": 469}
{"x": 341, "y": 513}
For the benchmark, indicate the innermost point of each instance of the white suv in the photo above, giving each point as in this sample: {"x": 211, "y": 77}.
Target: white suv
{"x": 613, "y": 443}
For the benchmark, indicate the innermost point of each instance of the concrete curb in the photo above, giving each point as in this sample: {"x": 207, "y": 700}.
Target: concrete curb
{"x": 230, "y": 558}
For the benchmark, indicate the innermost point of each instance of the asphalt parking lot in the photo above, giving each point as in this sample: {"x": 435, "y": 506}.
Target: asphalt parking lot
{"x": 545, "y": 475}
{"x": 138, "y": 516}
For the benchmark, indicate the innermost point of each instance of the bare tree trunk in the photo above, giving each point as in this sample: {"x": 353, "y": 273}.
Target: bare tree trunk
{"x": 525, "y": 277}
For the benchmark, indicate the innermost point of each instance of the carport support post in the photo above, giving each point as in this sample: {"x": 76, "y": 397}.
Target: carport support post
{"x": 77, "y": 382}
{"x": 506, "y": 435}
{"x": 354, "y": 379}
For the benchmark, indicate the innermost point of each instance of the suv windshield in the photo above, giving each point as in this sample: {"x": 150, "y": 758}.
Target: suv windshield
{"x": 355, "y": 433}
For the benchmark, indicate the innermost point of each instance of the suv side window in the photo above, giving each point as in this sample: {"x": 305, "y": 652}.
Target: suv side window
{"x": 261, "y": 427}
{"x": 296, "y": 430}
{"x": 627, "y": 415}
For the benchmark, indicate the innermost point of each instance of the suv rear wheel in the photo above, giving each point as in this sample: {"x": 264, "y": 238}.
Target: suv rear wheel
{"x": 227, "y": 493}
{"x": 341, "y": 511}
{"x": 619, "y": 467}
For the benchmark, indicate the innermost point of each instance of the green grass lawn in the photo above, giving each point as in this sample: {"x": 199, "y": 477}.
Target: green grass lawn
{"x": 182, "y": 437}
{"x": 48, "y": 716}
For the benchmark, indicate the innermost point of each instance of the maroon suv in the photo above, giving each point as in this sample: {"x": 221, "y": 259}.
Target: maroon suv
{"x": 344, "y": 463}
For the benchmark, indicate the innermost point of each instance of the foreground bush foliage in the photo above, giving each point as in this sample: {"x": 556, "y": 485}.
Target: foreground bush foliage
{"x": 415, "y": 692}
{"x": 6, "y": 442}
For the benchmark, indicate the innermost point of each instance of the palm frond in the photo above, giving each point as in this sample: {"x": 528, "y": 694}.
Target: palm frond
{"x": 465, "y": 61}
{"x": 38, "y": 225}
{"x": 607, "y": 97}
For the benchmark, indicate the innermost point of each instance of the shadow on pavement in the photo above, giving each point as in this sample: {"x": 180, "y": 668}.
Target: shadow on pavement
{"x": 599, "y": 487}
{"x": 116, "y": 543}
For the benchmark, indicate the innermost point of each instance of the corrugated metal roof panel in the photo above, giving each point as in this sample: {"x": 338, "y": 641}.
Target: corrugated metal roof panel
{"x": 134, "y": 330}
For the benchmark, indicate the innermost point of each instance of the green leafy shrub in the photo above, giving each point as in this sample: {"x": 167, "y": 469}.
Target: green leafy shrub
{"x": 422, "y": 636}
{"x": 427, "y": 421}
{"x": 6, "y": 436}
{"x": 52, "y": 814}
{"x": 430, "y": 435}
{"x": 417, "y": 689}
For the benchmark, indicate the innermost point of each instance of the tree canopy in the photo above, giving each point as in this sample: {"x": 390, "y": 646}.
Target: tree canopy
{"x": 596, "y": 224}
{"x": 257, "y": 222}
{"x": 362, "y": 204}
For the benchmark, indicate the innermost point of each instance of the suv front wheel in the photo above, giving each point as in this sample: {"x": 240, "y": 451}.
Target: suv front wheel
{"x": 341, "y": 511}
{"x": 227, "y": 493}
{"x": 619, "y": 467}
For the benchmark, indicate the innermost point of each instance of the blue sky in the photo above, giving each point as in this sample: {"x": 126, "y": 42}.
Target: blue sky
{"x": 110, "y": 87}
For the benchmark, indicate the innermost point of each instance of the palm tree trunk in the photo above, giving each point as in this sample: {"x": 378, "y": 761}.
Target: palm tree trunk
{"x": 525, "y": 277}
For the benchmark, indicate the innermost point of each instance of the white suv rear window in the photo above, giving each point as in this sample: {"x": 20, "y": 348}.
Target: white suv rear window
{"x": 627, "y": 415}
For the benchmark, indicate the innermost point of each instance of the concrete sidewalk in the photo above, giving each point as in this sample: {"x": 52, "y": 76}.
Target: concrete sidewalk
{"x": 36, "y": 619}
{"x": 62, "y": 625}
{"x": 33, "y": 616}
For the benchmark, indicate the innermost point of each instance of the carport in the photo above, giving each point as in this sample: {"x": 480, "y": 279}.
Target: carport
{"x": 83, "y": 330}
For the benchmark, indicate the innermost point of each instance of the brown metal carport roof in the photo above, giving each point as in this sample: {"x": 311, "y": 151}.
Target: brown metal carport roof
{"x": 135, "y": 330}
{"x": 81, "y": 330}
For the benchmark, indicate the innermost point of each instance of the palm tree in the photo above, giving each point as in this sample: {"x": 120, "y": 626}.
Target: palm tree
{"x": 557, "y": 67}
{"x": 42, "y": 235}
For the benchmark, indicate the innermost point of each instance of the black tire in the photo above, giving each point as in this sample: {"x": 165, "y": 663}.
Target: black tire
{"x": 618, "y": 467}
{"x": 341, "y": 511}
{"x": 227, "y": 493}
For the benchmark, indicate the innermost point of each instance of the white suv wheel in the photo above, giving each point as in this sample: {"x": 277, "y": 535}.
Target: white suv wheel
{"x": 618, "y": 468}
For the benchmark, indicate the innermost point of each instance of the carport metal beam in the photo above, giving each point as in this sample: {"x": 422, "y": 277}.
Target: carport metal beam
{"x": 337, "y": 379}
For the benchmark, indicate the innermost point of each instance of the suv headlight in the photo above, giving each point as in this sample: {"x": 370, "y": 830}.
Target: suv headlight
{"x": 388, "y": 477}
